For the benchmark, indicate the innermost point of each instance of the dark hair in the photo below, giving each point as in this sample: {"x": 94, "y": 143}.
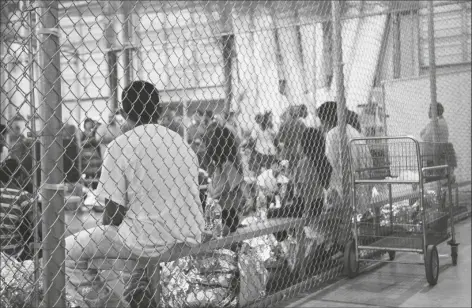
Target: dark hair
{"x": 209, "y": 113}
{"x": 89, "y": 120}
{"x": 140, "y": 102}
{"x": 221, "y": 145}
{"x": 263, "y": 120}
{"x": 18, "y": 118}
{"x": 3, "y": 135}
{"x": 3, "y": 130}
{"x": 303, "y": 111}
{"x": 314, "y": 146}
{"x": 328, "y": 112}
{"x": 440, "y": 109}
{"x": 68, "y": 131}
{"x": 353, "y": 120}
{"x": 200, "y": 112}
{"x": 12, "y": 172}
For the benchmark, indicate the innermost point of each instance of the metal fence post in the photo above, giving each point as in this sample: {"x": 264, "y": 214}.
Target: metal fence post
{"x": 36, "y": 215}
{"x": 4, "y": 33}
{"x": 79, "y": 91}
{"x": 3, "y": 81}
{"x": 228, "y": 52}
{"x": 112, "y": 59}
{"x": 51, "y": 153}
{"x": 128, "y": 49}
{"x": 432, "y": 70}
{"x": 341, "y": 99}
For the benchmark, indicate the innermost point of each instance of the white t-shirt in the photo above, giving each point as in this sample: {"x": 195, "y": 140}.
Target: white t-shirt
{"x": 269, "y": 182}
{"x": 360, "y": 157}
{"x": 264, "y": 140}
{"x": 153, "y": 172}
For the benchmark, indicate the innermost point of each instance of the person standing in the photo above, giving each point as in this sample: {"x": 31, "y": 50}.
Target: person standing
{"x": 173, "y": 122}
{"x": 263, "y": 136}
{"x": 427, "y": 132}
{"x": 360, "y": 156}
{"x": 90, "y": 130}
{"x": 196, "y": 133}
{"x": 441, "y": 148}
{"x": 313, "y": 172}
{"x": 21, "y": 149}
{"x": 288, "y": 138}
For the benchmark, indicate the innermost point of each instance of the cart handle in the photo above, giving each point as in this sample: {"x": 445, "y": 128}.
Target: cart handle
{"x": 435, "y": 168}
{"x": 385, "y": 138}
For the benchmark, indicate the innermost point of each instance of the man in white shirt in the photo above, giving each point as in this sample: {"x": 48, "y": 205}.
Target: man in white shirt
{"x": 443, "y": 131}
{"x": 360, "y": 157}
{"x": 149, "y": 183}
{"x": 427, "y": 135}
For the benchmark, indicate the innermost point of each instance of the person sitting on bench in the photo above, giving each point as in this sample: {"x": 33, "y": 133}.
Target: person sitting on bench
{"x": 149, "y": 183}
{"x": 16, "y": 211}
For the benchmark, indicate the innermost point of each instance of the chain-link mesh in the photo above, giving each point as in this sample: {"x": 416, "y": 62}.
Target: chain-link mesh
{"x": 240, "y": 195}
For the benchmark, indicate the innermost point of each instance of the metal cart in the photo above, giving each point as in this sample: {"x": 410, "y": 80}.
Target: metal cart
{"x": 409, "y": 163}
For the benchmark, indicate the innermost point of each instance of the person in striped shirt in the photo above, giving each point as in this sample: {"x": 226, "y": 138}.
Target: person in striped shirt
{"x": 16, "y": 215}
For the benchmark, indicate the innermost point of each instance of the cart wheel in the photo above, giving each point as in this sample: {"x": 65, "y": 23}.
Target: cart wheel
{"x": 431, "y": 263}
{"x": 391, "y": 255}
{"x": 454, "y": 254}
{"x": 351, "y": 266}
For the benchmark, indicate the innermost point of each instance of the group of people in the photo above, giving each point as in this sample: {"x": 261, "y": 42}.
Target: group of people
{"x": 149, "y": 175}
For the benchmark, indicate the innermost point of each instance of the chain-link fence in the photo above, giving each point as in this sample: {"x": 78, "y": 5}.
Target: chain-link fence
{"x": 241, "y": 195}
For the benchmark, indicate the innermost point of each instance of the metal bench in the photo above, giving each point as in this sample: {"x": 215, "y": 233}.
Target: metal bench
{"x": 152, "y": 266}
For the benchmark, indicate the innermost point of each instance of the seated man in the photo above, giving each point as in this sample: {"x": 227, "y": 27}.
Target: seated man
{"x": 16, "y": 214}
{"x": 149, "y": 183}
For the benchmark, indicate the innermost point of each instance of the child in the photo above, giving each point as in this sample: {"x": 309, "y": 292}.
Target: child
{"x": 16, "y": 214}
{"x": 227, "y": 179}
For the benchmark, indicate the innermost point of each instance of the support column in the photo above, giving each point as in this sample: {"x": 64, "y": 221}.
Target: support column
{"x": 244, "y": 43}
{"x": 432, "y": 70}
{"x": 265, "y": 60}
{"x": 53, "y": 245}
{"x": 340, "y": 98}
{"x": 396, "y": 45}
{"x": 292, "y": 57}
{"x": 112, "y": 59}
{"x": 126, "y": 7}
{"x": 228, "y": 52}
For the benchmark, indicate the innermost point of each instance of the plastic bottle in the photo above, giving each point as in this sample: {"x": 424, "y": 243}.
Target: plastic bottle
{"x": 217, "y": 219}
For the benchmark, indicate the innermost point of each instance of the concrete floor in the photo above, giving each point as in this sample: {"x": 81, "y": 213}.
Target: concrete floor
{"x": 400, "y": 285}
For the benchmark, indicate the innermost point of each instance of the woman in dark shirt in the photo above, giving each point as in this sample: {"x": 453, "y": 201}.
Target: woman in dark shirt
{"x": 313, "y": 172}
{"x": 227, "y": 180}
